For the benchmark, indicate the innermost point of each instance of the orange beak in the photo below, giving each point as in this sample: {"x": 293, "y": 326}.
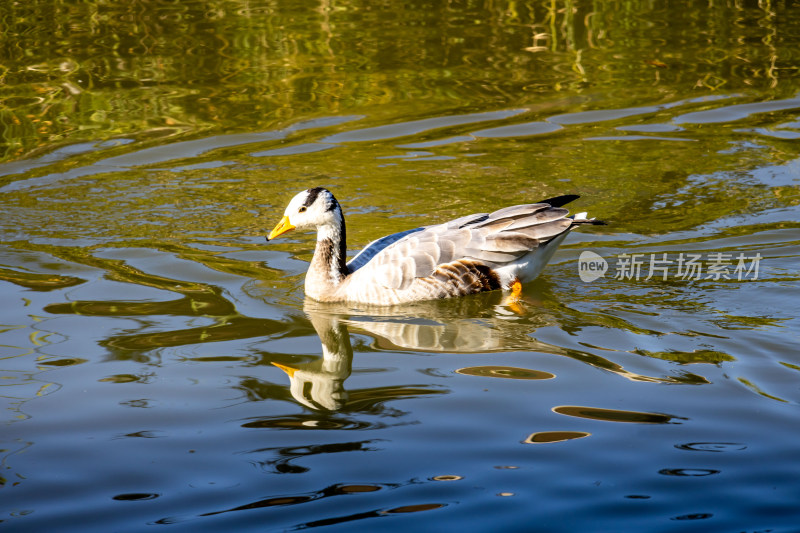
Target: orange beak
{"x": 283, "y": 226}
{"x": 289, "y": 370}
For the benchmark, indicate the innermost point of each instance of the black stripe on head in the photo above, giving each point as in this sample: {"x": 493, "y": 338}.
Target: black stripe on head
{"x": 312, "y": 196}
{"x": 314, "y": 193}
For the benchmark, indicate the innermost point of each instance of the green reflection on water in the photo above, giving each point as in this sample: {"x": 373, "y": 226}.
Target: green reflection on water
{"x": 92, "y": 70}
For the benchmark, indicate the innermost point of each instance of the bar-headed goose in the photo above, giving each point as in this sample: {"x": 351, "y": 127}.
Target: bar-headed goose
{"x": 475, "y": 253}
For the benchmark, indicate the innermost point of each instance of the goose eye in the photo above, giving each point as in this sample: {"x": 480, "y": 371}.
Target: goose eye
{"x": 302, "y": 209}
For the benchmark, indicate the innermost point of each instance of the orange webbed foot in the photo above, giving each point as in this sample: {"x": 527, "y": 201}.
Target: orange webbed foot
{"x": 512, "y": 301}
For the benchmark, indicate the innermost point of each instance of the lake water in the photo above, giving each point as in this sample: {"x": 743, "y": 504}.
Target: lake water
{"x": 161, "y": 367}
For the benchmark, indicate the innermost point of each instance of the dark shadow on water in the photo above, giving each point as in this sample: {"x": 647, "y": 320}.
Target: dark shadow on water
{"x": 338, "y": 489}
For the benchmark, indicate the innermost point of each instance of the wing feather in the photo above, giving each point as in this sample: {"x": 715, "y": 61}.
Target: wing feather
{"x": 424, "y": 264}
{"x": 548, "y": 230}
{"x": 515, "y": 211}
{"x": 429, "y": 248}
{"x": 540, "y": 217}
{"x": 488, "y": 256}
{"x": 494, "y": 240}
{"x": 396, "y": 275}
{"x": 447, "y": 250}
{"x": 376, "y": 246}
{"x": 466, "y": 221}
{"x": 510, "y": 242}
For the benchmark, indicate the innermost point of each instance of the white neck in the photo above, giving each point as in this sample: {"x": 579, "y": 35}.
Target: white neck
{"x": 329, "y": 231}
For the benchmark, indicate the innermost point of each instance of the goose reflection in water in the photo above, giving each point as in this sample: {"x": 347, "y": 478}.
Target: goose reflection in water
{"x": 320, "y": 383}
{"x": 471, "y": 325}
{"x": 424, "y": 326}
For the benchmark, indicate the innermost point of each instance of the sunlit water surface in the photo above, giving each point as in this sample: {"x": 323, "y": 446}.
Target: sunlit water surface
{"x": 161, "y": 366}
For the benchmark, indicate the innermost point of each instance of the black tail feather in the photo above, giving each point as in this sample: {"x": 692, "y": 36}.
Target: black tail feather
{"x": 558, "y": 201}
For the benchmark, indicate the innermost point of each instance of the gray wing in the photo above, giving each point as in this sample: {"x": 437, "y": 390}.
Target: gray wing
{"x": 369, "y": 251}
{"x": 493, "y": 239}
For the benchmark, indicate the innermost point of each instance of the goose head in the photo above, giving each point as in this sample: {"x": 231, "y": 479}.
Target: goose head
{"x": 311, "y": 209}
